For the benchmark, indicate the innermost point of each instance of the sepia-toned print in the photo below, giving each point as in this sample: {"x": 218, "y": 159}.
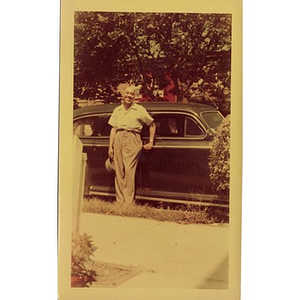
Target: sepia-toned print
{"x": 151, "y": 125}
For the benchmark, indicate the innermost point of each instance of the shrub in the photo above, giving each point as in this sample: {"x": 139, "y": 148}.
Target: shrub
{"x": 219, "y": 159}
{"x": 81, "y": 271}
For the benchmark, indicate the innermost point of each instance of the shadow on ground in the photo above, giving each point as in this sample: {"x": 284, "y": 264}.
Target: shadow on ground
{"x": 218, "y": 278}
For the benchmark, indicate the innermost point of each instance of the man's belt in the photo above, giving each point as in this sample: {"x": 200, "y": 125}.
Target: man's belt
{"x": 132, "y": 131}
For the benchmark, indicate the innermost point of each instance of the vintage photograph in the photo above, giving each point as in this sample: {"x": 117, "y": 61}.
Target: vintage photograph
{"x": 152, "y": 112}
{"x": 151, "y": 150}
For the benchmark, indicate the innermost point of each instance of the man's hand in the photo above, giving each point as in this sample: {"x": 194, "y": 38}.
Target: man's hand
{"x": 152, "y": 128}
{"x": 111, "y": 152}
{"x": 148, "y": 146}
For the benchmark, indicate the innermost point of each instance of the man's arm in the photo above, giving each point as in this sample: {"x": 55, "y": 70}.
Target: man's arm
{"x": 111, "y": 142}
{"x": 152, "y": 129}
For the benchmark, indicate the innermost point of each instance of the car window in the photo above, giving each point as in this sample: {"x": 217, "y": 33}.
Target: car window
{"x": 191, "y": 128}
{"x": 168, "y": 125}
{"x": 86, "y": 126}
{"x": 92, "y": 126}
{"x": 174, "y": 125}
{"x": 213, "y": 119}
{"x": 105, "y": 129}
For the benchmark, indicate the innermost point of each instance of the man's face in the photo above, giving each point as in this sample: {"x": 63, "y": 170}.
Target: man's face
{"x": 128, "y": 96}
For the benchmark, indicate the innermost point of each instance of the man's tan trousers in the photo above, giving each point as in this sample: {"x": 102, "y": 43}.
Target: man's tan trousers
{"x": 127, "y": 149}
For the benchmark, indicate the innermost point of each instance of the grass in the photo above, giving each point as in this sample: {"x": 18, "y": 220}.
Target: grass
{"x": 182, "y": 214}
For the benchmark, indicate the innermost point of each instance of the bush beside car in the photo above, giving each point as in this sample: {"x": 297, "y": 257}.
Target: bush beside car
{"x": 219, "y": 159}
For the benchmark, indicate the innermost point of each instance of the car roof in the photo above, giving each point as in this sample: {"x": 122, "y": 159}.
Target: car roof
{"x": 150, "y": 106}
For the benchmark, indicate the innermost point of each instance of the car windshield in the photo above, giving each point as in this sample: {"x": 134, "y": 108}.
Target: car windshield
{"x": 213, "y": 119}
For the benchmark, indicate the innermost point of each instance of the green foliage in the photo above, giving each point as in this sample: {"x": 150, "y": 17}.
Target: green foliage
{"x": 82, "y": 250}
{"x": 114, "y": 47}
{"x": 219, "y": 159}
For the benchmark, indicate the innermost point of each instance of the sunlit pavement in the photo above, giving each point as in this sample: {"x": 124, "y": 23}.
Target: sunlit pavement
{"x": 170, "y": 255}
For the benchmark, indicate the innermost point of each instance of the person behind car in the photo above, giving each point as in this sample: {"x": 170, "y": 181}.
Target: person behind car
{"x": 125, "y": 143}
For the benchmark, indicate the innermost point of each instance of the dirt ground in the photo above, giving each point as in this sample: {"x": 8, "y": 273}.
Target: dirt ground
{"x": 111, "y": 275}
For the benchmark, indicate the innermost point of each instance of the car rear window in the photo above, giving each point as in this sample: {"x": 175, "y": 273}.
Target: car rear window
{"x": 212, "y": 119}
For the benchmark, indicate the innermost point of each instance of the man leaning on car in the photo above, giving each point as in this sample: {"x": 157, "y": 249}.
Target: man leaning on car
{"x": 125, "y": 143}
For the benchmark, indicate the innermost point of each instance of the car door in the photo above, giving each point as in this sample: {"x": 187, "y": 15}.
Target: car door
{"x": 178, "y": 163}
{"x": 93, "y": 132}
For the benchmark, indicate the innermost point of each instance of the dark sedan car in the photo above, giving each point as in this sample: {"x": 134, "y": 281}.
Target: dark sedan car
{"x": 175, "y": 170}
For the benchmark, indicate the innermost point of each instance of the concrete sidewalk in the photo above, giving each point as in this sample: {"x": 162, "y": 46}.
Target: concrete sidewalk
{"x": 169, "y": 255}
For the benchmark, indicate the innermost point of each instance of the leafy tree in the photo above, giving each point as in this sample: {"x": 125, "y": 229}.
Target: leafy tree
{"x": 187, "y": 55}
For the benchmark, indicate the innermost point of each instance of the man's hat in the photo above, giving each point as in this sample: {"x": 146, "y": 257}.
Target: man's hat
{"x": 109, "y": 165}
